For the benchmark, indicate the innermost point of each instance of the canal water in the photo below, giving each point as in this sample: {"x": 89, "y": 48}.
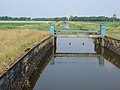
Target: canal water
{"x": 98, "y": 71}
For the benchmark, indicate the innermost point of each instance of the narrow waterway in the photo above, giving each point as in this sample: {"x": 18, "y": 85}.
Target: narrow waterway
{"x": 94, "y": 72}
{"x": 75, "y": 45}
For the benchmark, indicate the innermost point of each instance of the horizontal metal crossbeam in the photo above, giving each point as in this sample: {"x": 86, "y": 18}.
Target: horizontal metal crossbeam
{"x": 77, "y": 36}
{"x": 76, "y": 54}
{"x": 77, "y": 31}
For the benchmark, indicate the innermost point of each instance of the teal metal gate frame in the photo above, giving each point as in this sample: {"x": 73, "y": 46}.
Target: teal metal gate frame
{"x": 101, "y": 32}
{"x": 98, "y": 35}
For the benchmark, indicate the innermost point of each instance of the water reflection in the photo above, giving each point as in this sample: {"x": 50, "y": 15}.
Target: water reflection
{"x": 109, "y": 55}
{"x": 65, "y": 25}
{"x": 37, "y": 73}
{"x": 99, "y": 72}
{"x": 74, "y": 45}
{"x": 75, "y": 60}
{"x": 101, "y": 61}
{"x": 79, "y": 73}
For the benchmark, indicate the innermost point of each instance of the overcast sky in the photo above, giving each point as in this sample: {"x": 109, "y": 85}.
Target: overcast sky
{"x": 54, "y": 8}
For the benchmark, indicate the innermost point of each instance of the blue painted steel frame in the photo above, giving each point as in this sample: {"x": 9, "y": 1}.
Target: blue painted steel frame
{"x": 52, "y": 29}
{"x": 79, "y": 31}
{"x": 102, "y": 30}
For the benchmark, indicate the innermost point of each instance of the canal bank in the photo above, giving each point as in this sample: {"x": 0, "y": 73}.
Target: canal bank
{"x": 18, "y": 74}
{"x": 110, "y": 43}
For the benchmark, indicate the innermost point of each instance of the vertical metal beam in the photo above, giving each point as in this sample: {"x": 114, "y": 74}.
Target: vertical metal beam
{"x": 55, "y": 44}
{"x": 102, "y": 29}
{"x": 102, "y": 32}
{"x": 102, "y": 43}
{"x": 52, "y": 29}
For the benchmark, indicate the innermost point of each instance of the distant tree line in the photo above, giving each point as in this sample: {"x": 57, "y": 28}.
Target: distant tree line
{"x": 51, "y": 19}
{"x": 93, "y": 18}
{"x": 71, "y": 18}
{"x": 15, "y": 18}
{"x": 32, "y": 19}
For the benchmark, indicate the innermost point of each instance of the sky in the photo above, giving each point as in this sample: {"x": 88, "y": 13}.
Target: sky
{"x": 59, "y": 8}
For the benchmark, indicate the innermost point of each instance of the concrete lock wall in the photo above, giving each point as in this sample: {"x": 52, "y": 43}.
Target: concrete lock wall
{"x": 16, "y": 77}
{"x": 109, "y": 55}
{"x": 110, "y": 43}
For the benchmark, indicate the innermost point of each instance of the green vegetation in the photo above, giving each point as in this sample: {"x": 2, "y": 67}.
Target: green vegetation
{"x": 17, "y": 36}
{"x": 37, "y": 25}
{"x": 84, "y": 25}
{"x": 94, "y": 18}
{"x": 4, "y": 18}
{"x": 71, "y": 18}
{"x": 112, "y": 28}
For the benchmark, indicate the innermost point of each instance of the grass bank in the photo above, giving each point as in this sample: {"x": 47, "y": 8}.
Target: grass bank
{"x": 112, "y": 28}
{"x": 13, "y": 43}
{"x": 36, "y": 25}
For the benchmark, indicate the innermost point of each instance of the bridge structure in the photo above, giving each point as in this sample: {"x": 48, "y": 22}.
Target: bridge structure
{"x": 97, "y": 35}
{"x": 78, "y": 33}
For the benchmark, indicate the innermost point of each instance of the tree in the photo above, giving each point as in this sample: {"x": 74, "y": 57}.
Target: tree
{"x": 114, "y": 17}
{"x": 71, "y": 18}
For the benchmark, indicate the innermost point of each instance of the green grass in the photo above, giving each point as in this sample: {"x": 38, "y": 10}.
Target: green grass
{"x": 113, "y": 28}
{"x": 37, "y": 25}
{"x": 84, "y": 25}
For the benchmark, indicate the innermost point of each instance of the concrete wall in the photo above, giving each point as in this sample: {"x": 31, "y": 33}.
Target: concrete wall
{"x": 17, "y": 76}
{"x": 108, "y": 55}
{"x": 110, "y": 43}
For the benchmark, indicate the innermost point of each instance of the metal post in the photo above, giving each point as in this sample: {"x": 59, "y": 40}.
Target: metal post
{"x": 102, "y": 32}
{"x": 52, "y": 29}
{"x": 55, "y": 44}
{"x": 102, "y": 43}
{"x": 102, "y": 29}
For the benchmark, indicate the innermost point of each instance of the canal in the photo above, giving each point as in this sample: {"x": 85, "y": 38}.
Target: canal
{"x": 77, "y": 64}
